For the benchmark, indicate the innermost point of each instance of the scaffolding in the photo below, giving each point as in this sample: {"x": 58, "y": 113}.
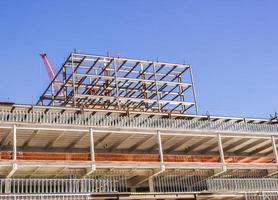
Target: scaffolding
{"x": 114, "y": 83}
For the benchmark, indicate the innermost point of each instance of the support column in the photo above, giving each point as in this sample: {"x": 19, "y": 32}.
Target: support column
{"x": 162, "y": 166}
{"x": 92, "y": 145}
{"x": 221, "y": 152}
{"x": 92, "y": 152}
{"x": 14, "y": 165}
{"x": 274, "y": 149}
{"x": 14, "y": 142}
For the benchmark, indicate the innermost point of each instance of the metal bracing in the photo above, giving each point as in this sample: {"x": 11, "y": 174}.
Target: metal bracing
{"x": 114, "y": 83}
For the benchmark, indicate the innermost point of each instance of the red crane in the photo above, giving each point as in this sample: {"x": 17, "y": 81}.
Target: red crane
{"x": 50, "y": 71}
{"x": 48, "y": 66}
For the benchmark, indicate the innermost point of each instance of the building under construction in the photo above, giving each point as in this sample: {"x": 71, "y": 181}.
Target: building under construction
{"x": 119, "y": 128}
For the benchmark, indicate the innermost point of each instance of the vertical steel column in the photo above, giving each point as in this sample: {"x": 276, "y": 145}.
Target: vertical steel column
{"x": 160, "y": 150}
{"x": 65, "y": 93}
{"x": 73, "y": 79}
{"x": 193, "y": 89}
{"x": 116, "y": 83}
{"x": 14, "y": 143}
{"x": 181, "y": 93}
{"x": 274, "y": 148}
{"x": 92, "y": 145}
{"x": 156, "y": 86}
{"x": 221, "y": 152}
{"x": 92, "y": 153}
{"x": 14, "y": 165}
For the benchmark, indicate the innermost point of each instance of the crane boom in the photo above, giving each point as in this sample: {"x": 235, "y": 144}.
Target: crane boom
{"x": 49, "y": 68}
{"x": 51, "y": 72}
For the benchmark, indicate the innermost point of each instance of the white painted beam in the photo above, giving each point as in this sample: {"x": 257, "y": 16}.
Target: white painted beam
{"x": 14, "y": 143}
{"x": 221, "y": 152}
{"x": 92, "y": 145}
{"x": 162, "y": 166}
{"x": 12, "y": 171}
{"x": 92, "y": 153}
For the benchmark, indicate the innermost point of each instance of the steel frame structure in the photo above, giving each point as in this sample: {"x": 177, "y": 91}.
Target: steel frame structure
{"x": 118, "y": 128}
{"x": 114, "y": 83}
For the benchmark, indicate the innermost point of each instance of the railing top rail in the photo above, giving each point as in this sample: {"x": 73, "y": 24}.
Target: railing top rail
{"x": 87, "y": 119}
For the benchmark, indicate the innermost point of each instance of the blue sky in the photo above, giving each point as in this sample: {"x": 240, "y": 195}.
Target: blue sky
{"x": 231, "y": 45}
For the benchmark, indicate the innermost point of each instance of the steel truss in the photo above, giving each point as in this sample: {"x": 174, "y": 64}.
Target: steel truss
{"x": 114, "y": 83}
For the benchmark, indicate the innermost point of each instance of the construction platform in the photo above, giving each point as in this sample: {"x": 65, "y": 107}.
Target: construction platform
{"x": 118, "y": 128}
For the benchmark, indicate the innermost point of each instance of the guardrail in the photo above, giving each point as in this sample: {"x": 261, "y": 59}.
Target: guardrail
{"x": 96, "y": 184}
{"x": 242, "y": 184}
{"x": 134, "y": 122}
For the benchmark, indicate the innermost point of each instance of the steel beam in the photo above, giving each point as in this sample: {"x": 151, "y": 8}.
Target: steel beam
{"x": 162, "y": 166}
{"x": 6, "y": 139}
{"x": 51, "y": 143}
{"x": 27, "y": 142}
{"x": 14, "y": 143}
{"x": 92, "y": 153}
{"x": 12, "y": 171}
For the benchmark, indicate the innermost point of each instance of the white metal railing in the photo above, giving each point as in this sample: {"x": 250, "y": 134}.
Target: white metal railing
{"x": 45, "y": 197}
{"x": 98, "y": 184}
{"x": 262, "y": 196}
{"x": 242, "y": 184}
{"x": 87, "y": 119}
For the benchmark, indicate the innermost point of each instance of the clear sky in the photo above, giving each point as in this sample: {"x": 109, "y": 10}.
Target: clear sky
{"x": 231, "y": 45}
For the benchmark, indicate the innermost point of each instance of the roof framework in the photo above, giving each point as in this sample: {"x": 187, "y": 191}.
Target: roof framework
{"x": 114, "y": 83}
